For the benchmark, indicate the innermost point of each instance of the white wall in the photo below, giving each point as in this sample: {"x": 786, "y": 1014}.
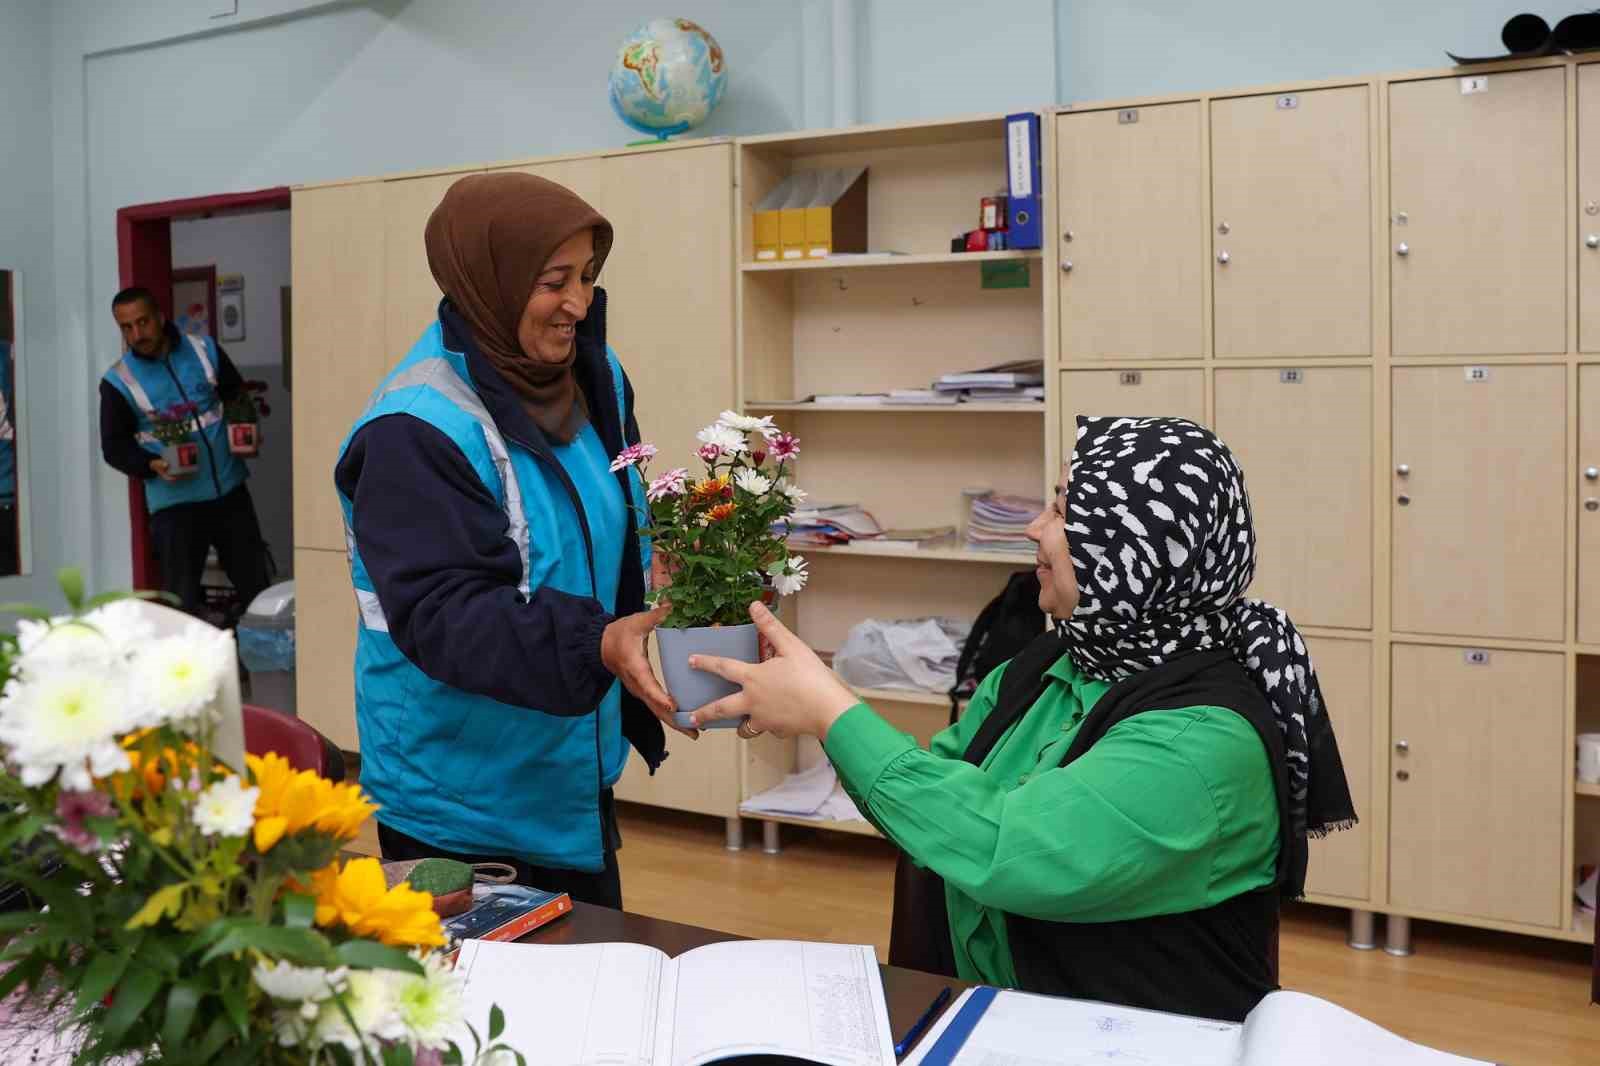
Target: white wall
{"x": 152, "y": 100}
{"x": 25, "y": 247}
{"x": 256, "y": 246}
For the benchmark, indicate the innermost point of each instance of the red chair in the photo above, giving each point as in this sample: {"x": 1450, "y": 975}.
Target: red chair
{"x": 298, "y": 741}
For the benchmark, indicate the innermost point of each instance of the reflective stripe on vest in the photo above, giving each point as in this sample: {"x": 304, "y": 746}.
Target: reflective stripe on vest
{"x": 148, "y": 409}
{"x": 440, "y": 376}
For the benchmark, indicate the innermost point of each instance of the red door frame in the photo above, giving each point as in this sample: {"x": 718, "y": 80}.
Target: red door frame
{"x": 144, "y": 257}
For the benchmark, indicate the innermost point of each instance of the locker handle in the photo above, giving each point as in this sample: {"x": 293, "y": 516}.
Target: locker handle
{"x": 1402, "y": 746}
{"x": 1223, "y": 258}
{"x": 1066, "y": 266}
{"x": 1592, "y": 240}
{"x": 1402, "y": 775}
{"x": 1404, "y": 470}
{"x": 1402, "y": 249}
{"x": 1403, "y": 500}
{"x": 1592, "y": 473}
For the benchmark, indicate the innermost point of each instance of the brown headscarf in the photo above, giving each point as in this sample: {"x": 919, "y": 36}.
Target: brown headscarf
{"x": 487, "y": 241}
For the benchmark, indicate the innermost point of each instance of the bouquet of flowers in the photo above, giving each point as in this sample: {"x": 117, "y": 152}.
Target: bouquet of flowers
{"x": 191, "y": 912}
{"x": 720, "y": 534}
{"x": 249, "y": 404}
{"x": 175, "y": 424}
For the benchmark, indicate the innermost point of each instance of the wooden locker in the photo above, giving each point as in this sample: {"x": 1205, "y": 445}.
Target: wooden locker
{"x": 1341, "y": 863}
{"x": 325, "y": 654}
{"x": 1291, "y": 236}
{"x": 411, "y": 297}
{"x": 1477, "y": 213}
{"x": 1588, "y": 193}
{"x": 1478, "y": 775}
{"x": 1129, "y": 222}
{"x": 1477, "y": 501}
{"x": 1133, "y": 393}
{"x": 1304, "y": 438}
{"x": 337, "y": 235}
{"x": 1589, "y": 504}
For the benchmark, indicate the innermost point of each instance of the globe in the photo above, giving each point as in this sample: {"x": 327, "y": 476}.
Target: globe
{"x": 669, "y": 76}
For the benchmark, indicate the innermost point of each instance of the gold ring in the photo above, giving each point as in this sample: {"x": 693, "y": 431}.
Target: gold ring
{"x": 746, "y": 732}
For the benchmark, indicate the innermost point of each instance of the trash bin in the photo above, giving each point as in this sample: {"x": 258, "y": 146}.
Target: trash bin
{"x": 266, "y": 647}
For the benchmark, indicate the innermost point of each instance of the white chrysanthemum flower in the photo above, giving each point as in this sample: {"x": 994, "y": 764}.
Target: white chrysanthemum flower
{"x": 795, "y": 493}
{"x": 283, "y": 980}
{"x": 430, "y": 1006}
{"x": 371, "y": 998}
{"x": 788, "y": 577}
{"x": 111, "y": 631}
{"x": 731, "y": 441}
{"x": 67, "y": 722}
{"x": 749, "y": 423}
{"x": 179, "y": 676}
{"x": 752, "y": 482}
{"x": 226, "y": 809}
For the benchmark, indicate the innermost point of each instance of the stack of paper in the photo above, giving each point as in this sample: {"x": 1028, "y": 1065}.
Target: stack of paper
{"x": 1021, "y": 381}
{"x": 827, "y": 524}
{"x": 814, "y": 794}
{"x": 999, "y": 523}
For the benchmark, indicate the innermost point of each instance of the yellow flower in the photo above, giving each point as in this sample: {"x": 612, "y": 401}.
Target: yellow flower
{"x": 359, "y": 899}
{"x": 291, "y": 801}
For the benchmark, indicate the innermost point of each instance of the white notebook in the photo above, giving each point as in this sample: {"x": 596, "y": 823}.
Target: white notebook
{"x": 1284, "y": 1029}
{"x": 632, "y": 1005}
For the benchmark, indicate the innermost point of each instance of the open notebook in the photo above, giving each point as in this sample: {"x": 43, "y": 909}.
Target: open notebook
{"x": 632, "y": 1005}
{"x": 1017, "y": 1029}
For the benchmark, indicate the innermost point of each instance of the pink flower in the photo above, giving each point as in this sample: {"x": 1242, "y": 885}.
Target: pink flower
{"x": 785, "y": 446}
{"x": 72, "y": 808}
{"x": 709, "y": 452}
{"x": 669, "y": 484}
{"x": 633, "y": 455}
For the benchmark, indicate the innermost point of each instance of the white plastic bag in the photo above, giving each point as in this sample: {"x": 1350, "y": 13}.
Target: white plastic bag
{"x": 919, "y": 654}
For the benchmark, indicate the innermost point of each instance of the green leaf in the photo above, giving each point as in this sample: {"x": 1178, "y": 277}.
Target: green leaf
{"x": 105, "y": 970}
{"x": 26, "y": 610}
{"x": 452, "y": 1056}
{"x": 164, "y": 902}
{"x": 25, "y": 972}
{"x": 217, "y": 1034}
{"x": 181, "y": 1004}
{"x": 397, "y": 1055}
{"x": 299, "y": 911}
{"x": 233, "y": 1001}
{"x": 129, "y": 1000}
{"x": 371, "y": 955}
{"x": 497, "y": 1022}
{"x": 304, "y": 947}
{"x": 71, "y": 579}
{"x": 11, "y": 920}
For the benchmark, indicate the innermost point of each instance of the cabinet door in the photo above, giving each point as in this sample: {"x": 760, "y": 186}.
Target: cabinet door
{"x": 1589, "y": 208}
{"x": 1341, "y": 863}
{"x": 1478, "y": 501}
{"x": 1130, "y": 216}
{"x": 1477, "y": 781}
{"x": 1130, "y": 393}
{"x": 325, "y": 654}
{"x": 336, "y": 237}
{"x": 1477, "y": 235}
{"x": 411, "y": 298}
{"x": 1589, "y": 504}
{"x": 1304, "y": 438}
{"x": 1291, "y": 241}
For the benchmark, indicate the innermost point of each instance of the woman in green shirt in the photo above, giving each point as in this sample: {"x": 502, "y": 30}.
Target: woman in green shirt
{"x": 1123, "y": 804}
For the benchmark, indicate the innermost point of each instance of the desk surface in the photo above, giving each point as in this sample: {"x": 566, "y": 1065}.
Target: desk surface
{"x": 907, "y": 992}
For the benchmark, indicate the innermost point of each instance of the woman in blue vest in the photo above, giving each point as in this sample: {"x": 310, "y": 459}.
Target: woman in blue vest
{"x": 500, "y": 667}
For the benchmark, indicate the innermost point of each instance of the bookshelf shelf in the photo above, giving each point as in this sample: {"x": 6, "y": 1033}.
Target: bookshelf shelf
{"x": 858, "y": 262}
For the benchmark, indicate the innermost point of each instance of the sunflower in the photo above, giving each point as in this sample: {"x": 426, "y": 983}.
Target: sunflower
{"x": 359, "y": 898}
{"x": 291, "y": 801}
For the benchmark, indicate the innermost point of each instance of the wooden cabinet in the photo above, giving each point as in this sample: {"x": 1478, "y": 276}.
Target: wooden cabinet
{"x": 1133, "y": 393}
{"x": 1477, "y": 211}
{"x": 325, "y": 653}
{"x": 1588, "y": 195}
{"x": 1341, "y": 863}
{"x": 410, "y": 296}
{"x": 337, "y": 235}
{"x": 1589, "y": 504}
{"x": 1129, "y": 222}
{"x": 1304, "y": 438}
{"x": 1479, "y": 773}
{"x": 1291, "y": 224}
{"x": 1478, "y": 501}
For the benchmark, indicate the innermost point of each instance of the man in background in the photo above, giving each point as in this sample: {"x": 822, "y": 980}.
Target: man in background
{"x": 190, "y": 513}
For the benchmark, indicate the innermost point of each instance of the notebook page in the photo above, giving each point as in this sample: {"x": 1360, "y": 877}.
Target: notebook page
{"x": 1021, "y": 1029}
{"x": 1314, "y": 1032}
{"x": 822, "y": 1002}
{"x": 575, "y": 1004}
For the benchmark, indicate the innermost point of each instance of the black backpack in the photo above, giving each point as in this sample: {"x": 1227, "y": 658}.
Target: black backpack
{"x": 1008, "y": 624}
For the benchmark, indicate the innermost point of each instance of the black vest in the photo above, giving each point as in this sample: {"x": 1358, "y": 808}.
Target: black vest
{"x": 1214, "y": 963}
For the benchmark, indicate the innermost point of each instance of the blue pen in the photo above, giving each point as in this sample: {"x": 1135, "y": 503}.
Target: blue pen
{"x": 905, "y": 1042}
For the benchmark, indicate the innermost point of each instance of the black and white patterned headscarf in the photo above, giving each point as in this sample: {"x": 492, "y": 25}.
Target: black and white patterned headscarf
{"x": 1159, "y": 529}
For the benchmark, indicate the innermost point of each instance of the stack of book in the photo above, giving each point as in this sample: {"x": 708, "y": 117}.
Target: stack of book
{"x": 1000, "y": 523}
{"x": 1016, "y": 382}
{"x": 827, "y": 524}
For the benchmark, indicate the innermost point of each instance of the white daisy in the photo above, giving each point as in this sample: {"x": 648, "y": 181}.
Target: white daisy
{"x": 729, "y": 440}
{"x": 749, "y": 423}
{"x": 789, "y": 576}
{"x": 754, "y": 483}
{"x": 795, "y": 493}
{"x": 430, "y": 1006}
{"x": 179, "y": 676}
{"x": 66, "y": 722}
{"x": 370, "y": 997}
{"x": 226, "y": 809}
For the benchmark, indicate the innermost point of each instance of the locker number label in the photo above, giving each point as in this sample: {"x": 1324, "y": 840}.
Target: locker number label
{"x": 1476, "y": 83}
{"x": 1476, "y": 657}
{"x": 1130, "y": 377}
{"x": 1292, "y": 376}
{"x": 1288, "y": 102}
{"x": 1128, "y": 116}
{"x": 1476, "y": 375}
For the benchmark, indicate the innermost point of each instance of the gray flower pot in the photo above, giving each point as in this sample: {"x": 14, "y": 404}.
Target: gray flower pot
{"x": 693, "y": 689}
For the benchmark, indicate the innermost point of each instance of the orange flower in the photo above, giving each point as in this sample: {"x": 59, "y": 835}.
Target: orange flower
{"x": 291, "y": 801}
{"x": 154, "y": 772}
{"x": 359, "y": 899}
{"x": 721, "y": 511}
{"x": 711, "y": 488}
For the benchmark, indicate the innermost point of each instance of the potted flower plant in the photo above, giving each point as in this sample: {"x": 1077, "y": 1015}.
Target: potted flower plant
{"x": 244, "y": 414}
{"x": 187, "y": 911}
{"x": 174, "y": 427}
{"x": 721, "y": 537}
